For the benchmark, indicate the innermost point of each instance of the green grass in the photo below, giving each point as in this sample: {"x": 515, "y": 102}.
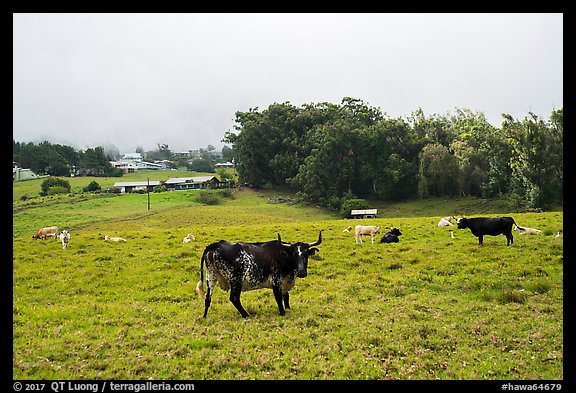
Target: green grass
{"x": 429, "y": 307}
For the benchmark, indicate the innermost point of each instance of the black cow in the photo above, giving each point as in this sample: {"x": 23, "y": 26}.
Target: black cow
{"x": 392, "y": 236}
{"x": 492, "y": 226}
{"x": 247, "y": 266}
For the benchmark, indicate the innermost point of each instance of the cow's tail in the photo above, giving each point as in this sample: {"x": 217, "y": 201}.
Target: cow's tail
{"x": 200, "y": 285}
{"x": 518, "y": 227}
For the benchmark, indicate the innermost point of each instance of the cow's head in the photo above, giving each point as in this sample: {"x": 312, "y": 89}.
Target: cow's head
{"x": 396, "y": 231}
{"x": 298, "y": 253}
{"x": 462, "y": 223}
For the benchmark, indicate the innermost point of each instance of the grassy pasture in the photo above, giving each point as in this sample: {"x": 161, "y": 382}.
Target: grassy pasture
{"x": 429, "y": 307}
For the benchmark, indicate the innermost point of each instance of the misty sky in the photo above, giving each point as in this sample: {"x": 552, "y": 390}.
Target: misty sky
{"x": 139, "y": 80}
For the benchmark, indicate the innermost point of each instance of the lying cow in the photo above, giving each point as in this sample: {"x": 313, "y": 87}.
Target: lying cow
{"x": 446, "y": 222}
{"x": 481, "y": 226}
{"x": 114, "y": 239}
{"x": 246, "y": 266}
{"x": 44, "y": 232}
{"x": 188, "y": 238}
{"x": 360, "y": 230}
{"x": 527, "y": 231}
{"x": 391, "y": 236}
{"x": 347, "y": 229}
{"x": 64, "y": 238}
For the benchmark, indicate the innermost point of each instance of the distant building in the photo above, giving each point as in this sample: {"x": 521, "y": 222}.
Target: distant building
{"x": 20, "y": 174}
{"x": 224, "y": 165}
{"x": 130, "y": 166}
{"x": 129, "y": 186}
{"x": 132, "y": 157}
{"x": 192, "y": 183}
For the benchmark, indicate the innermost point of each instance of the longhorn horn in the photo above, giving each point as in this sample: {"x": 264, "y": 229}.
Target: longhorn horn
{"x": 281, "y": 242}
{"x": 316, "y": 243}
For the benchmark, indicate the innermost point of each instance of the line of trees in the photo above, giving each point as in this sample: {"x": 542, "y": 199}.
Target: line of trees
{"x": 330, "y": 153}
{"x": 46, "y": 158}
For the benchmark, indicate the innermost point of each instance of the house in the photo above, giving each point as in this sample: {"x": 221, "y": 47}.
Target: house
{"x": 19, "y": 174}
{"x": 132, "y": 157}
{"x": 366, "y": 213}
{"x": 224, "y": 165}
{"x": 130, "y": 166}
{"x": 192, "y": 183}
{"x": 129, "y": 186}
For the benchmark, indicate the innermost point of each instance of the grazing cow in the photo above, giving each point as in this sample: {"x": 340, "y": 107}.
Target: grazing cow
{"x": 446, "y": 222}
{"x": 43, "y": 232}
{"x": 527, "y": 231}
{"x": 188, "y": 238}
{"x": 392, "y": 236}
{"x": 360, "y": 230}
{"x": 114, "y": 239}
{"x": 481, "y": 226}
{"x": 64, "y": 238}
{"x": 247, "y": 266}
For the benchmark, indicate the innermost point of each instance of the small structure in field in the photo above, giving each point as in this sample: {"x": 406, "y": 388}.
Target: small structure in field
{"x": 364, "y": 213}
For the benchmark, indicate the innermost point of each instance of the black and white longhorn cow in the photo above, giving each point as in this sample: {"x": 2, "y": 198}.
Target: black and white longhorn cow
{"x": 246, "y": 266}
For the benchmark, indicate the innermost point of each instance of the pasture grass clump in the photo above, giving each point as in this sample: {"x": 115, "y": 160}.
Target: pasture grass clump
{"x": 430, "y": 307}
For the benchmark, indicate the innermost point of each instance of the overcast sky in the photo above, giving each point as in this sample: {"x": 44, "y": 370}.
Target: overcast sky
{"x": 139, "y": 80}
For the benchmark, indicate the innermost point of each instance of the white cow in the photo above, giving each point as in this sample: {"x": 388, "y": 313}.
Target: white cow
{"x": 360, "y": 230}
{"x": 446, "y": 222}
{"x": 64, "y": 238}
{"x": 114, "y": 239}
{"x": 527, "y": 231}
{"x": 347, "y": 229}
{"x": 188, "y": 238}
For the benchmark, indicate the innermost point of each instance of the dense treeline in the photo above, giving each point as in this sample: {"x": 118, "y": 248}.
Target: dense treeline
{"x": 46, "y": 158}
{"x": 330, "y": 153}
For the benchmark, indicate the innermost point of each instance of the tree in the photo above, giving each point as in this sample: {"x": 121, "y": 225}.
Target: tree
{"x": 95, "y": 163}
{"x": 438, "y": 172}
{"x": 328, "y": 171}
{"x": 537, "y": 157}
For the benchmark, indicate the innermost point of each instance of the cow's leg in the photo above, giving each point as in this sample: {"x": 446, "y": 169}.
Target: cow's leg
{"x": 480, "y": 239}
{"x": 372, "y": 236}
{"x": 286, "y": 300}
{"x": 235, "y": 290}
{"x": 278, "y": 296}
{"x": 509, "y": 239}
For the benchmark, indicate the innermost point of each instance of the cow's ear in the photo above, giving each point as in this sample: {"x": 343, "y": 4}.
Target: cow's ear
{"x": 312, "y": 251}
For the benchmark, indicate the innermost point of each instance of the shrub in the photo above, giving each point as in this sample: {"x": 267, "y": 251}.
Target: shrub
{"x": 54, "y": 182}
{"x": 207, "y": 198}
{"x": 353, "y": 204}
{"x": 57, "y": 190}
{"x": 225, "y": 193}
{"x": 93, "y": 186}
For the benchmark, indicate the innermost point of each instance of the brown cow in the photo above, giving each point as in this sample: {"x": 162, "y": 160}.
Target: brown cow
{"x": 46, "y": 231}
